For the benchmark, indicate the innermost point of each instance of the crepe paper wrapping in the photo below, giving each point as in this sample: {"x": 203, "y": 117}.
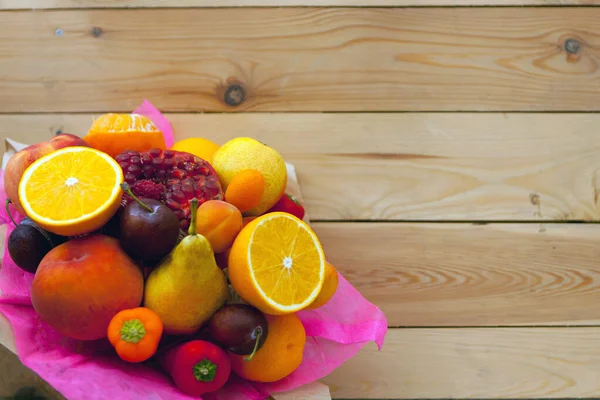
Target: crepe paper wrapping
{"x": 92, "y": 371}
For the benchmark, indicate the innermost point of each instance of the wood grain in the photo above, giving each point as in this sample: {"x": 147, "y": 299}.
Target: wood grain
{"x": 471, "y": 275}
{"x": 50, "y": 4}
{"x": 330, "y": 59}
{"x": 474, "y": 363}
{"x": 413, "y": 166}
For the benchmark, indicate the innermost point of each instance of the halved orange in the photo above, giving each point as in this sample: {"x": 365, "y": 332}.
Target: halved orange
{"x": 277, "y": 264}
{"x": 72, "y": 191}
{"x": 114, "y": 133}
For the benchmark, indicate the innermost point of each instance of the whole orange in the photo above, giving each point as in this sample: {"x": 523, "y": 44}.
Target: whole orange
{"x": 115, "y": 133}
{"x": 280, "y": 355}
{"x": 203, "y": 148}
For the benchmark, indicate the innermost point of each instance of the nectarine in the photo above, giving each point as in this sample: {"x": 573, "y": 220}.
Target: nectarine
{"x": 19, "y": 162}
{"x": 81, "y": 284}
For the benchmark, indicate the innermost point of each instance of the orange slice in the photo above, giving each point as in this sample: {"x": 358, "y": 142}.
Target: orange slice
{"x": 72, "y": 191}
{"x": 114, "y": 133}
{"x": 277, "y": 264}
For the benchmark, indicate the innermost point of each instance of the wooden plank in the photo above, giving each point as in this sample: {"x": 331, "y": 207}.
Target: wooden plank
{"x": 50, "y": 4}
{"x": 414, "y": 166}
{"x": 471, "y": 275}
{"x": 330, "y": 59}
{"x": 474, "y": 363}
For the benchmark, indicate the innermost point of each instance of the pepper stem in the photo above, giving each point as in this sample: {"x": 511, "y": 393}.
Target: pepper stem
{"x": 127, "y": 189}
{"x": 258, "y": 332}
{"x": 133, "y": 331}
{"x": 205, "y": 371}
{"x": 9, "y": 201}
{"x": 194, "y": 211}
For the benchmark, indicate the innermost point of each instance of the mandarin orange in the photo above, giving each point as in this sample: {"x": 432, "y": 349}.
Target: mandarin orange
{"x": 114, "y": 133}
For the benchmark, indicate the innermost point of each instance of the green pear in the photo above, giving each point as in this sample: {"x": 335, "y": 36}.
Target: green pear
{"x": 187, "y": 287}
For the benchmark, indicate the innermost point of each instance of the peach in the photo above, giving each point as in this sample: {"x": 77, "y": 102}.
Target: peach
{"x": 82, "y": 284}
{"x": 219, "y": 222}
{"x": 19, "y": 162}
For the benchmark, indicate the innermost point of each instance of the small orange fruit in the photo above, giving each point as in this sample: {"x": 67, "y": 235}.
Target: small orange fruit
{"x": 280, "y": 355}
{"x": 115, "y": 133}
{"x": 245, "y": 189}
{"x": 219, "y": 222}
{"x": 72, "y": 191}
{"x": 330, "y": 286}
{"x": 243, "y": 153}
{"x": 200, "y": 147}
{"x": 276, "y": 264}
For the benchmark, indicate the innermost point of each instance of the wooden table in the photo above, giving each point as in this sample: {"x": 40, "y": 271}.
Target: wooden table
{"x": 449, "y": 156}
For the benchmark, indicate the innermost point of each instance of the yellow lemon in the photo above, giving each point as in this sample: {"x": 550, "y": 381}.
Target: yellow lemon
{"x": 203, "y": 148}
{"x": 244, "y": 153}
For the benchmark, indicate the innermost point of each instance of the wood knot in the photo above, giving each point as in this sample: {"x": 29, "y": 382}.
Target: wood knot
{"x": 97, "y": 31}
{"x": 572, "y": 46}
{"x": 234, "y": 95}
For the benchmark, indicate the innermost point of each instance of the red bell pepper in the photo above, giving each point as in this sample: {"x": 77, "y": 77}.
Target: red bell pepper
{"x": 197, "y": 366}
{"x": 290, "y": 205}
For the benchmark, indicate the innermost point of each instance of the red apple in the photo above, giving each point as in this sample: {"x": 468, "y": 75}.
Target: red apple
{"x": 18, "y": 163}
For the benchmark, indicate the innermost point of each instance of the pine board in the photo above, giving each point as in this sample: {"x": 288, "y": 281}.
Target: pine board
{"x": 471, "y": 275}
{"x": 330, "y": 59}
{"x": 474, "y": 363}
{"x": 50, "y": 4}
{"x": 407, "y": 166}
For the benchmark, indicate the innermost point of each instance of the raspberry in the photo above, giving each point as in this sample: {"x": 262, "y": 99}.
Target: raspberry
{"x": 145, "y": 188}
{"x": 174, "y": 177}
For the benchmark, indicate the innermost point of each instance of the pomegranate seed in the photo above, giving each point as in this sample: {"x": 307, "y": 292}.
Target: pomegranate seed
{"x": 133, "y": 153}
{"x": 177, "y": 174}
{"x": 130, "y": 178}
{"x": 155, "y": 153}
{"x": 149, "y": 171}
{"x": 161, "y": 175}
{"x": 157, "y": 162}
{"x": 168, "y": 154}
{"x": 135, "y": 159}
{"x": 178, "y": 195}
{"x": 172, "y": 204}
{"x": 122, "y": 157}
{"x": 134, "y": 169}
{"x": 146, "y": 158}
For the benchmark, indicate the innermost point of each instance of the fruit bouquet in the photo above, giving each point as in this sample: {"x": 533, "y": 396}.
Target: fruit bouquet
{"x": 141, "y": 267}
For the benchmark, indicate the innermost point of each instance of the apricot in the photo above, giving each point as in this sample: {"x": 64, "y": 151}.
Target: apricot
{"x": 19, "y": 162}
{"x": 220, "y": 222}
{"x": 81, "y": 284}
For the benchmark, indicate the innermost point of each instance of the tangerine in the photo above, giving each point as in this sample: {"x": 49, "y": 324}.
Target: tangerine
{"x": 114, "y": 133}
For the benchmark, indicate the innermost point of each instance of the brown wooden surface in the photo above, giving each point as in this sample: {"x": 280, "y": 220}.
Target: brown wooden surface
{"x": 329, "y": 59}
{"x": 471, "y": 275}
{"x": 49, "y": 4}
{"x": 486, "y": 308}
{"x": 408, "y": 166}
{"x": 474, "y": 363}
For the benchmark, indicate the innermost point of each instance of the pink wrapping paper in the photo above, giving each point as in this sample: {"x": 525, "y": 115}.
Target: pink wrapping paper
{"x": 92, "y": 371}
